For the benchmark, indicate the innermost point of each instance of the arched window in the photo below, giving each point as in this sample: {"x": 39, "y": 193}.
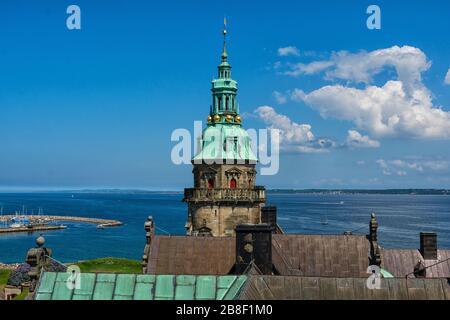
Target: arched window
{"x": 210, "y": 183}
{"x": 233, "y": 183}
{"x": 249, "y": 183}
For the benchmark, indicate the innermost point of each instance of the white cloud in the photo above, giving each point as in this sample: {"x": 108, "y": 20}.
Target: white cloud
{"x": 288, "y": 51}
{"x": 382, "y": 111}
{"x": 357, "y": 140}
{"x": 294, "y": 137}
{"x": 360, "y": 162}
{"x": 447, "y": 77}
{"x": 400, "y": 166}
{"x": 401, "y": 107}
{"x": 409, "y": 62}
{"x": 280, "y": 97}
{"x": 310, "y": 68}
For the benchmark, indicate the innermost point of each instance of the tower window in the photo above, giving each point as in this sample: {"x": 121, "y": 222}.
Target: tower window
{"x": 233, "y": 183}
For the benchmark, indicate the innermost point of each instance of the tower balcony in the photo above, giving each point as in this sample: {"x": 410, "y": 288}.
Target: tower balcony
{"x": 258, "y": 194}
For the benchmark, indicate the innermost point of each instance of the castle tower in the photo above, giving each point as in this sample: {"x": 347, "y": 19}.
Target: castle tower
{"x": 224, "y": 193}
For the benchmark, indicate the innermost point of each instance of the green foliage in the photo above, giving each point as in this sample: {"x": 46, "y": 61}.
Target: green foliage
{"x": 20, "y": 275}
{"x": 109, "y": 265}
{"x": 4, "y": 275}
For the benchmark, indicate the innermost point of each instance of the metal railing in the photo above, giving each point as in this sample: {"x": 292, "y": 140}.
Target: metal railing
{"x": 203, "y": 194}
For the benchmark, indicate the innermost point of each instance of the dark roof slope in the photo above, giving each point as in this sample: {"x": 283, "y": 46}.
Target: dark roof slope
{"x": 321, "y": 255}
{"x": 191, "y": 255}
{"x": 305, "y": 255}
{"x": 401, "y": 262}
{"x": 314, "y": 288}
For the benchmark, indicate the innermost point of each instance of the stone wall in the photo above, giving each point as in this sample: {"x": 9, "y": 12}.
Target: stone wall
{"x": 222, "y": 219}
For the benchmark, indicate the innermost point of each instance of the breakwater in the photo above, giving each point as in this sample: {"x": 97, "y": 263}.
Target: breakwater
{"x": 31, "y": 229}
{"x": 35, "y": 218}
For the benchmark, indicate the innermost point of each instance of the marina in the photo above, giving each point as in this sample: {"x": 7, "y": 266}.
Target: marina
{"x": 31, "y": 223}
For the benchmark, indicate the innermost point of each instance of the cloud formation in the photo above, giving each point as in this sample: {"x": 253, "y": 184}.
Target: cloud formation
{"x": 307, "y": 69}
{"x": 401, "y": 166}
{"x": 401, "y": 107}
{"x": 447, "y": 77}
{"x": 280, "y": 97}
{"x": 357, "y": 140}
{"x": 294, "y": 137}
{"x": 409, "y": 63}
{"x": 288, "y": 51}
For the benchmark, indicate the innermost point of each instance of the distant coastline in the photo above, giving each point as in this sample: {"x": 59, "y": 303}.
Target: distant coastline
{"x": 410, "y": 191}
{"x": 365, "y": 191}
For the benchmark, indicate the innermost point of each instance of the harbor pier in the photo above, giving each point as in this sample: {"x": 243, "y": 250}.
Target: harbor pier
{"x": 39, "y": 222}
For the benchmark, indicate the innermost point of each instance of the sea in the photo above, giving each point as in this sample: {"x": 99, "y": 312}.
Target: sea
{"x": 401, "y": 218}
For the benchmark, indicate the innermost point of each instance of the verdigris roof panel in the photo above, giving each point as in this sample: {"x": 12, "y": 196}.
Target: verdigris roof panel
{"x": 141, "y": 287}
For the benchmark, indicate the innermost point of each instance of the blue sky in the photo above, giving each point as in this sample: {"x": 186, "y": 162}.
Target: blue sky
{"x": 96, "y": 107}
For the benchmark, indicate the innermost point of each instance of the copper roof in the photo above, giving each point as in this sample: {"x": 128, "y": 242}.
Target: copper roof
{"x": 111, "y": 286}
{"x": 401, "y": 262}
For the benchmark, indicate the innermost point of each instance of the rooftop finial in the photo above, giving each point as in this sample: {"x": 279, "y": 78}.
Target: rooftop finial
{"x": 224, "y": 52}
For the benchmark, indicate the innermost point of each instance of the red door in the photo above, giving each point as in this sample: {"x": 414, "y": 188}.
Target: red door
{"x": 233, "y": 183}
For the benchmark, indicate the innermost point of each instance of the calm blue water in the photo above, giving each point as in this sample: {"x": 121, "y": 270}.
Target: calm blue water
{"x": 401, "y": 218}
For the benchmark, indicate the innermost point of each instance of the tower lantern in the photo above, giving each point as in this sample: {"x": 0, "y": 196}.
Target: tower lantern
{"x": 224, "y": 89}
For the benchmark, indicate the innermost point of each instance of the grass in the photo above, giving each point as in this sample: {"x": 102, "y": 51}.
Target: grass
{"x": 23, "y": 295}
{"x": 4, "y": 275}
{"x": 110, "y": 265}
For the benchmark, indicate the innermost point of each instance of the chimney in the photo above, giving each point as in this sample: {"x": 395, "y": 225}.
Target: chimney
{"x": 375, "y": 254}
{"x": 254, "y": 244}
{"x": 428, "y": 245}
{"x": 149, "y": 227}
{"x": 269, "y": 215}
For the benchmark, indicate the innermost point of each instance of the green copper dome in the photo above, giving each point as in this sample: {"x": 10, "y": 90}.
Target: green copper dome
{"x": 224, "y": 138}
{"x": 229, "y": 142}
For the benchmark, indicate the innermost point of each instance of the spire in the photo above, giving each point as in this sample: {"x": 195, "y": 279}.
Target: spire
{"x": 224, "y": 109}
{"x": 224, "y": 51}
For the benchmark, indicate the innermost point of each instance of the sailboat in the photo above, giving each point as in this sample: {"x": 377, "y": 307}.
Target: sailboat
{"x": 16, "y": 222}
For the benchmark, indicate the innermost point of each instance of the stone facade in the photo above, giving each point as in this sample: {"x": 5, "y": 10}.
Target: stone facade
{"x": 224, "y": 196}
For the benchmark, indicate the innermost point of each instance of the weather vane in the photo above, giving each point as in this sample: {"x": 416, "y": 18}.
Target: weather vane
{"x": 224, "y": 26}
